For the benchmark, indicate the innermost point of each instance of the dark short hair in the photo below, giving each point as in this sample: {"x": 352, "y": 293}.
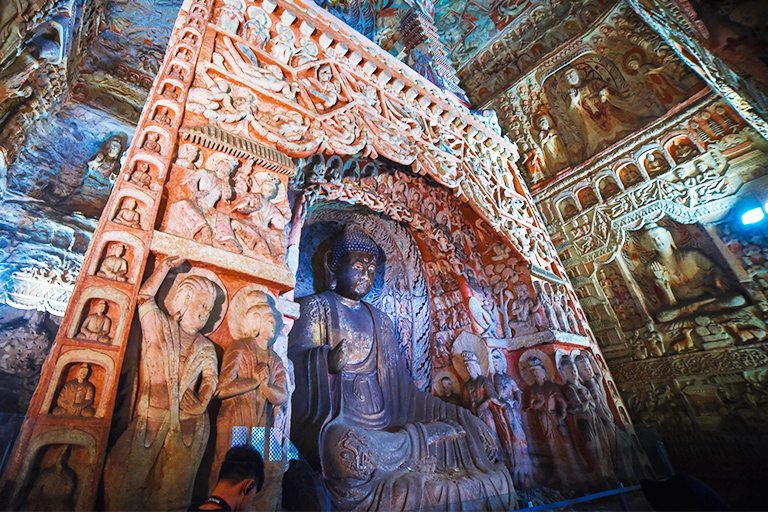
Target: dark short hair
{"x": 243, "y": 463}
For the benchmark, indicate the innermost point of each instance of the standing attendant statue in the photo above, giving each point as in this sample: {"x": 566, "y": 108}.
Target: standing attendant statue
{"x": 252, "y": 384}
{"x": 154, "y": 462}
{"x": 379, "y": 442}
{"x": 518, "y": 459}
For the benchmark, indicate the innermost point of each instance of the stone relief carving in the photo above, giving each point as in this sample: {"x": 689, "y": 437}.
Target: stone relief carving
{"x": 55, "y": 485}
{"x": 77, "y": 396}
{"x": 114, "y": 266}
{"x": 97, "y": 325}
{"x": 170, "y": 423}
{"x": 127, "y": 214}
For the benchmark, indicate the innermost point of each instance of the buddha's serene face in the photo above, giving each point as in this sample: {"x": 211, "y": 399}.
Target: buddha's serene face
{"x": 659, "y": 239}
{"x": 585, "y": 369}
{"x": 82, "y": 373}
{"x": 447, "y": 385}
{"x": 498, "y": 363}
{"x": 569, "y": 373}
{"x": 355, "y": 273}
{"x": 539, "y": 373}
{"x": 473, "y": 369}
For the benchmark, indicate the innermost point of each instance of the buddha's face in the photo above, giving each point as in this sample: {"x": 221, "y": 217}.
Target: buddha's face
{"x": 569, "y": 373}
{"x": 659, "y": 239}
{"x": 572, "y": 76}
{"x": 498, "y": 362}
{"x": 585, "y": 369}
{"x": 447, "y": 386}
{"x": 114, "y": 149}
{"x": 539, "y": 374}
{"x": 194, "y": 312}
{"x": 355, "y": 273}
{"x": 82, "y": 373}
{"x": 473, "y": 369}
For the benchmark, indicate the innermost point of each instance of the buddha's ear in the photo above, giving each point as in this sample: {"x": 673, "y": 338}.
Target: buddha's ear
{"x": 330, "y": 275}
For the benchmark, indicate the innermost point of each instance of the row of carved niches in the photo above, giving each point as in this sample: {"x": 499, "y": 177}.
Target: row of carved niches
{"x": 227, "y": 202}
{"x": 679, "y": 293}
{"x": 664, "y": 156}
{"x": 553, "y": 412}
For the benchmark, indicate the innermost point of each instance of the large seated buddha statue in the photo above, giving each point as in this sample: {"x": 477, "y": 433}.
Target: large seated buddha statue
{"x": 686, "y": 280}
{"x": 380, "y": 443}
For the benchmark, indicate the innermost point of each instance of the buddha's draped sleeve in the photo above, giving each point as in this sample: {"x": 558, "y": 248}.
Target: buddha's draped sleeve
{"x": 313, "y": 401}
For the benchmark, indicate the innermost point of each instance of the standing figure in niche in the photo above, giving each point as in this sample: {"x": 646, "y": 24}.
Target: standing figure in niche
{"x": 263, "y": 232}
{"x": 77, "y": 395}
{"x": 106, "y": 161}
{"x": 380, "y": 443}
{"x": 545, "y": 302}
{"x": 591, "y": 438}
{"x": 511, "y": 398}
{"x": 252, "y": 384}
{"x": 479, "y": 396}
{"x": 604, "y": 114}
{"x": 127, "y": 215}
{"x": 553, "y": 450}
{"x": 153, "y": 464}
{"x": 114, "y": 266}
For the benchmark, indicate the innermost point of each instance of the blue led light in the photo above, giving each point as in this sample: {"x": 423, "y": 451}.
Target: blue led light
{"x": 752, "y": 216}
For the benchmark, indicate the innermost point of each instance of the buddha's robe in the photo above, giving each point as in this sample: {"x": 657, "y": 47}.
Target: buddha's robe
{"x": 368, "y": 428}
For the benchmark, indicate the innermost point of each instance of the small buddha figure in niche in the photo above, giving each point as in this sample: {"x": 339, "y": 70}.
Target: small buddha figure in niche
{"x": 587, "y": 198}
{"x": 656, "y": 164}
{"x": 252, "y": 383}
{"x": 97, "y": 325}
{"x": 151, "y": 142}
{"x": 162, "y": 116}
{"x": 55, "y": 485}
{"x": 141, "y": 176}
{"x": 114, "y": 266}
{"x": 609, "y": 188}
{"x": 177, "y": 378}
{"x": 77, "y": 395}
{"x": 686, "y": 280}
{"x": 127, "y": 215}
{"x": 683, "y": 151}
{"x": 630, "y": 175}
{"x": 448, "y": 392}
{"x": 380, "y": 443}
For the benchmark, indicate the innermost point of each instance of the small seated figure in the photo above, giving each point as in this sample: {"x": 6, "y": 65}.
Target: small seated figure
{"x": 687, "y": 280}
{"x": 609, "y": 188}
{"x": 115, "y": 267}
{"x": 77, "y": 396}
{"x": 97, "y": 325}
{"x": 162, "y": 115}
{"x": 141, "y": 176}
{"x": 655, "y": 164}
{"x": 151, "y": 142}
{"x": 379, "y": 442}
{"x": 127, "y": 215}
{"x": 684, "y": 151}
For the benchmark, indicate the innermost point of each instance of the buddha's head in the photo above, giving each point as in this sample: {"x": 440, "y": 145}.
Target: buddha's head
{"x": 568, "y": 370}
{"x": 472, "y": 364}
{"x": 352, "y": 263}
{"x": 657, "y": 238}
{"x": 584, "y": 368}
{"x": 83, "y": 371}
{"x": 573, "y": 76}
{"x": 192, "y": 303}
{"x": 260, "y": 321}
{"x": 446, "y": 384}
{"x": 499, "y": 361}
{"x": 537, "y": 370}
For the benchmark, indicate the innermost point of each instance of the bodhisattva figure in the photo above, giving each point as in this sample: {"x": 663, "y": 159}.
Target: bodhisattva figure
{"x": 97, "y": 325}
{"x": 114, "y": 266}
{"x": 380, "y": 443}
{"x": 77, "y": 395}
{"x": 688, "y": 281}
{"x": 619, "y": 442}
{"x": 552, "y": 451}
{"x": 154, "y": 462}
{"x": 479, "y": 396}
{"x": 511, "y": 398}
{"x": 252, "y": 384}
{"x": 127, "y": 215}
{"x": 591, "y": 440}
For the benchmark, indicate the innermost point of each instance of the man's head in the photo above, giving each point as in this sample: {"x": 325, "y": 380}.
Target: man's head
{"x": 352, "y": 261}
{"x": 243, "y": 469}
